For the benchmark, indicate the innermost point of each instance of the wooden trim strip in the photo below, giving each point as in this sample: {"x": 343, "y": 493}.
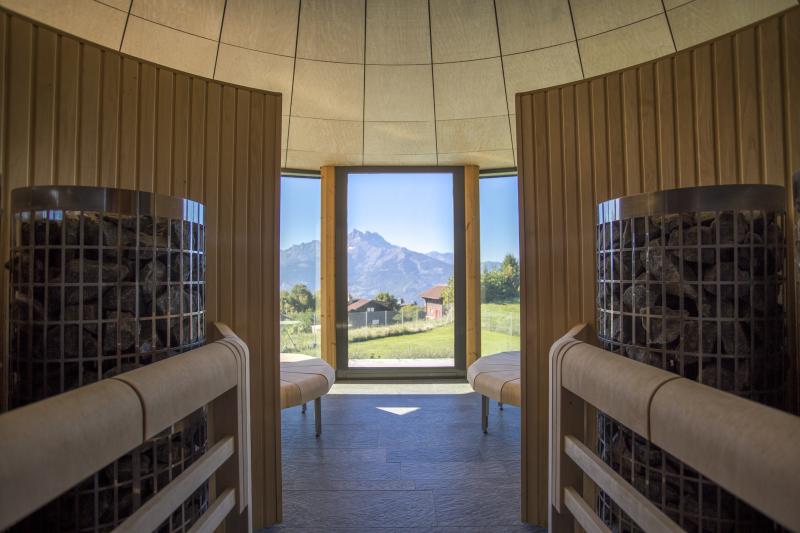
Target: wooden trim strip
{"x": 583, "y": 513}
{"x": 213, "y": 517}
{"x": 638, "y": 507}
{"x": 328, "y": 265}
{"x": 163, "y": 504}
{"x": 472, "y": 251}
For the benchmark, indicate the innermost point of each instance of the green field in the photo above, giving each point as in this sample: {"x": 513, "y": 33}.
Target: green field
{"x": 499, "y": 333}
{"x": 436, "y": 343}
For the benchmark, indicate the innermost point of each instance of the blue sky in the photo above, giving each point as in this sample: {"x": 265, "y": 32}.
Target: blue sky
{"x": 300, "y": 211}
{"x": 499, "y": 218}
{"x": 411, "y": 210}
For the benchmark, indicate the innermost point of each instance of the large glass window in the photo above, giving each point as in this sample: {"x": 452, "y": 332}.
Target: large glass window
{"x": 400, "y": 309}
{"x": 499, "y": 216}
{"x": 300, "y": 265}
{"x": 400, "y": 243}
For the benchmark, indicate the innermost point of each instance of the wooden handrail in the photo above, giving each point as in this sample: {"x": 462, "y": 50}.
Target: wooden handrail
{"x": 69, "y": 437}
{"x": 749, "y": 449}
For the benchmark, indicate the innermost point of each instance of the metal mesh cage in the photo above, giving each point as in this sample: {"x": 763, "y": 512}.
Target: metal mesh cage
{"x": 692, "y": 281}
{"x": 104, "y": 281}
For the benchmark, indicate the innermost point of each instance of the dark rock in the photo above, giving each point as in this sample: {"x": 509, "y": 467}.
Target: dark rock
{"x": 152, "y": 275}
{"x": 145, "y": 339}
{"x": 181, "y": 271}
{"x": 110, "y": 228}
{"x": 111, "y": 271}
{"x": 727, "y": 308}
{"x": 613, "y": 269}
{"x": 732, "y": 228}
{"x": 72, "y": 228}
{"x": 729, "y": 380}
{"x": 692, "y": 236}
{"x": 755, "y": 260}
{"x": 73, "y": 344}
{"x": 127, "y": 299}
{"x": 638, "y": 296}
{"x": 673, "y": 221}
{"x": 662, "y": 267}
{"x": 774, "y": 234}
{"x": 620, "y": 329}
{"x": 635, "y": 233}
{"x": 128, "y": 329}
{"x": 23, "y": 305}
{"x": 735, "y": 340}
{"x": 40, "y": 232}
{"x": 89, "y": 295}
{"x": 71, "y": 312}
{"x": 643, "y": 355}
{"x": 691, "y": 337}
{"x": 662, "y": 331}
{"x": 91, "y": 229}
{"x": 727, "y": 272}
{"x": 169, "y": 302}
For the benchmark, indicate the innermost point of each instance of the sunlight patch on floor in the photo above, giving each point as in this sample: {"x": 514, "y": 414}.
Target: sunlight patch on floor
{"x": 398, "y": 410}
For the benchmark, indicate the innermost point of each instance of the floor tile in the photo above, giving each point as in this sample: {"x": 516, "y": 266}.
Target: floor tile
{"x": 401, "y": 463}
{"x": 359, "y": 509}
{"x": 334, "y": 455}
{"x": 349, "y": 484}
{"x": 499, "y": 507}
{"x": 367, "y": 471}
{"x": 454, "y": 470}
{"x": 433, "y": 455}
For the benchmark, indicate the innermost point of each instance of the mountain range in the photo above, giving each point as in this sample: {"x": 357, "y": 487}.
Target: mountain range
{"x": 374, "y": 265}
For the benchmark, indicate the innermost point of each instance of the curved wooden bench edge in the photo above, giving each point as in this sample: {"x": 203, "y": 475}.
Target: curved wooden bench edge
{"x": 505, "y": 391}
{"x": 291, "y": 390}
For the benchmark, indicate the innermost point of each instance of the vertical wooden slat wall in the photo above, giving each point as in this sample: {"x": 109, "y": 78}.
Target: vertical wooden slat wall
{"x": 73, "y": 113}
{"x": 727, "y": 111}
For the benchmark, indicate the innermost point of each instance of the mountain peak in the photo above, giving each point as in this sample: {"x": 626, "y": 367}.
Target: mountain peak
{"x": 374, "y": 265}
{"x": 370, "y": 237}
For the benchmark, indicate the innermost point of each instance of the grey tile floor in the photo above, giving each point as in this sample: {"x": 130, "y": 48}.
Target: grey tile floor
{"x": 394, "y": 463}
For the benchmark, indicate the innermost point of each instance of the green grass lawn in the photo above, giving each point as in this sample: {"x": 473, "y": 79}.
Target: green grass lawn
{"x": 436, "y": 343}
{"x": 499, "y": 333}
{"x": 500, "y": 317}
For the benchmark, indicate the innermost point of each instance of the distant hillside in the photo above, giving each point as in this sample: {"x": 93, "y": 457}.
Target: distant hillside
{"x": 374, "y": 265}
{"x": 300, "y": 264}
{"x": 447, "y": 257}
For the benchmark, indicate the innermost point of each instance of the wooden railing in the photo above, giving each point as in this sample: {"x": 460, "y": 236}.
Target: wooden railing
{"x": 751, "y": 450}
{"x": 49, "y": 446}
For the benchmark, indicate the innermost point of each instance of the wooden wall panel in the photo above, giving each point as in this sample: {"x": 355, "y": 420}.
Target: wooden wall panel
{"x": 75, "y": 113}
{"x": 727, "y": 111}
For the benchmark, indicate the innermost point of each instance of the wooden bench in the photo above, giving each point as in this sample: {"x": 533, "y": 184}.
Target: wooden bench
{"x": 497, "y": 377}
{"x": 305, "y": 378}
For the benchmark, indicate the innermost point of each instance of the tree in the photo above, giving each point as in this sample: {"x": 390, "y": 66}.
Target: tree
{"x": 502, "y": 284}
{"x": 449, "y": 292}
{"x": 409, "y": 313}
{"x": 510, "y": 268}
{"x": 388, "y": 300}
{"x": 297, "y": 300}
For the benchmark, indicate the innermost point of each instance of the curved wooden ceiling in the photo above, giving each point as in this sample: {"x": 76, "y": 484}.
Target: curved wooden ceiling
{"x": 398, "y": 82}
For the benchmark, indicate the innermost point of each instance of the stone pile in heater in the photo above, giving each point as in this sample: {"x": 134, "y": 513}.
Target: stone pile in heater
{"x": 104, "y": 281}
{"x": 689, "y": 285}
